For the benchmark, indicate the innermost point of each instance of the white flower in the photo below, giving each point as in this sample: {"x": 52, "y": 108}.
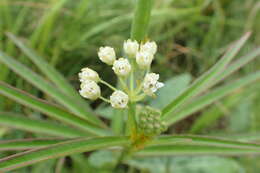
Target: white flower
{"x": 107, "y": 55}
{"x": 121, "y": 67}
{"x": 131, "y": 48}
{"x": 149, "y": 47}
{"x": 144, "y": 59}
{"x": 151, "y": 83}
{"x": 119, "y": 99}
{"x": 88, "y": 74}
{"x": 90, "y": 89}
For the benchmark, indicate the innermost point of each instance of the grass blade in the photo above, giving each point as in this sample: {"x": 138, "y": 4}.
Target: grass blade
{"x": 208, "y": 77}
{"x": 43, "y": 85}
{"x": 50, "y": 110}
{"x": 25, "y": 144}
{"x": 211, "y": 97}
{"x": 43, "y": 127}
{"x": 59, "y": 150}
{"x": 49, "y": 71}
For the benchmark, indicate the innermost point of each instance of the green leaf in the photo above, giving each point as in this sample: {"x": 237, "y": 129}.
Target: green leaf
{"x": 189, "y": 149}
{"x": 12, "y": 120}
{"x": 46, "y": 87}
{"x": 50, "y": 109}
{"x": 59, "y": 150}
{"x": 202, "y": 82}
{"x": 25, "y": 144}
{"x": 201, "y": 140}
{"x": 210, "y": 97}
{"x": 48, "y": 70}
{"x": 180, "y": 83}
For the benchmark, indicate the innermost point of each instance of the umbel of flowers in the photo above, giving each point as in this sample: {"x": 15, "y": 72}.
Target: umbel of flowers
{"x": 133, "y": 72}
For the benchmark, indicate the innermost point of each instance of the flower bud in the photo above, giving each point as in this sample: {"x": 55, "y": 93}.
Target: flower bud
{"x": 107, "y": 55}
{"x": 131, "y": 48}
{"x": 144, "y": 59}
{"x": 149, "y": 47}
{"x": 119, "y": 99}
{"x": 121, "y": 67}
{"x": 88, "y": 74}
{"x": 151, "y": 83}
{"x": 90, "y": 90}
{"x": 150, "y": 122}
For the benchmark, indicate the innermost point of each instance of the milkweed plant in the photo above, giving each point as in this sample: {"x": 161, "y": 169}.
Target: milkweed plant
{"x": 78, "y": 129}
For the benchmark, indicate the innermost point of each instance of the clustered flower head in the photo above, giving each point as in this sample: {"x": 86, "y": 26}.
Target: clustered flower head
{"x": 150, "y": 122}
{"x": 133, "y": 71}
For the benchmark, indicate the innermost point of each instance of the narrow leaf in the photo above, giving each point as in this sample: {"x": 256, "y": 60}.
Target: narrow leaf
{"x": 189, "y": 149}
{"x": 199, "y": 85}
{"x": 59, "y": 150}
{"x": 202, "y": 140}
{"x": 25, "y": 144}
{"x": 37, "y": 126}
{"x": 211, "y": 97}
{"x": 48, "y": 70}
{"x": 49, "y": 109}
{"x": 43, "y": 85}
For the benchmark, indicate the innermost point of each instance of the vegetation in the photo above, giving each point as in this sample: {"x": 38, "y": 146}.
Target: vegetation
{"x": 210, "y": 100}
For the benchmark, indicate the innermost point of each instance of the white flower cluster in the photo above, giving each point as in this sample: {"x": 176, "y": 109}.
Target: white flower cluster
{"x": 140, "y": 57}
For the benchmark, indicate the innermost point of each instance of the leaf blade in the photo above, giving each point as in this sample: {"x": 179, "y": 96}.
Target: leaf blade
{"x": 12, "y": 120}
{"x": 50, "y": 110}
{"x": 43, "y": 85}
{"x": 198, "y": 86}
{"x": 59, "y": 150}
{"x": 210, "y": 97}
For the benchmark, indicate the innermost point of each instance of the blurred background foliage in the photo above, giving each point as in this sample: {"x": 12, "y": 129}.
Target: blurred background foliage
{"x": 191, "y": 35}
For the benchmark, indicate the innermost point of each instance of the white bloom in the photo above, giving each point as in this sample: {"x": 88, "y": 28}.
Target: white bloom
{"x": 107, "y": 55}
{"x": 151, "y": 83}
{"x": 88, "y": 74}
{"x": 119, "y": 99}
{"x": 144, "y": 59}
{"x": 121, "y": 67}
{"x": 149, "y": 47}
{"x": 90, "y": 89}
{"x": 131, "y": 48}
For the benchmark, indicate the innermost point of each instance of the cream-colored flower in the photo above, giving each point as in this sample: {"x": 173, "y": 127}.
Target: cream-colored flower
{"x": 144, "y": 59}
{"x": 151, "y": 83}
{"x": 131, "y": 48}
{"x": 119, "y": 99}
{"x": 90, "y": 90}
{"x": 149, "y": 47}
{"x": 121, "y": 67}
{"x": 88, "y": 74}
{"x": 107, "y": 55}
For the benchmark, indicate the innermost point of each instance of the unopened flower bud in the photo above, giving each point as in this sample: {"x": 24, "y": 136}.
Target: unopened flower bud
{"x": 107, "y": 55}
{"x": 90, "y": 90}
{"x": 119, "y": 99}
{"x": 150, "y": 121}
{"x": 144, "y": 59}
{"x": 131, "y": 48}
{"x": 88, "y": 74}
{"x": 151, "y": 83}
{"x": 149, "y": 47}
{"x": 121, "y": 67}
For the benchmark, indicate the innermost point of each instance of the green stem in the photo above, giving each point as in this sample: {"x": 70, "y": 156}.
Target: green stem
{"x": 141, "y": 20}
{"x": 131, "y": 121}
{"x": 108, "y": 85}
